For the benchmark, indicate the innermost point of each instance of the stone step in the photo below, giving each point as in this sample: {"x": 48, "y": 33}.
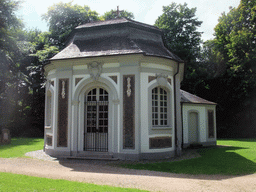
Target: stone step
{"x": 93, "y": 158}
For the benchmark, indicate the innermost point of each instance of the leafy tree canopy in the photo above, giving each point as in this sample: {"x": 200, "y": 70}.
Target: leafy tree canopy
{"x": 231, "y": 56}
{"x": 62, "y": 18}
{"x": 235, "y": 38}
{"x": 180, "y": 30}
{"x": 9, "y": 23}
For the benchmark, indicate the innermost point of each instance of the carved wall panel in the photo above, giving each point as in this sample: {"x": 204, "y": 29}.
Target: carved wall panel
{"x": 129, "y": 111}
{"x": 62, "y": 130}
{"x": 160, "y": 142}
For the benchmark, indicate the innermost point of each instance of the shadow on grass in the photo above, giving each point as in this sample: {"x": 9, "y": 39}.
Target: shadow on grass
{"x": 216, "y": 163}
{"x": 250, "y": 140}
{"x": 223, "y": 160}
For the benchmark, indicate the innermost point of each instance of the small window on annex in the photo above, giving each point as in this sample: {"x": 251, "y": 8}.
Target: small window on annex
{"x": 210, "y": 123}
{"x": 48, "y": 121}
{"x": 159, "y": 107}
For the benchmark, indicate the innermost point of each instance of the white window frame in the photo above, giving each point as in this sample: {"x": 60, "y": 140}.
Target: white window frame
{"x": 168, "y": 107}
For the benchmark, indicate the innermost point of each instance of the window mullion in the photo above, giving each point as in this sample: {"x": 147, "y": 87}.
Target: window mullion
{"x": 97, "y": 108}
{"x": 159, "y": 107}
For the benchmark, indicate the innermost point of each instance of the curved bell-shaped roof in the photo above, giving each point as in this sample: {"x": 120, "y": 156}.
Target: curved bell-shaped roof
{"x": 119, "y": 36}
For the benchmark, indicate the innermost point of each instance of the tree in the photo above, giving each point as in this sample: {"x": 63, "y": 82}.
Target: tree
{"x": 180, "y": 31}
{"x": 21, "y": 81}
{"x": 9, "y": 23}
{"x": 235, "y": 37}
{"x": 179, "y": 25}
{"x": 233, "y": 51}
{"x": 62, "y": 18}
{"x": 37, "y": 50}
{"x": 10, "y": 75}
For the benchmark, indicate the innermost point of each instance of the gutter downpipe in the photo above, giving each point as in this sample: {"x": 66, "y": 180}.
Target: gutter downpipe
{"x": 177, "y": 149}
{"x": 182, "y": 136}
{"x": 45, "y": 94}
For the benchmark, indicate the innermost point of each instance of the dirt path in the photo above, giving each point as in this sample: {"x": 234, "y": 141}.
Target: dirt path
{"x": 100, "y": 173}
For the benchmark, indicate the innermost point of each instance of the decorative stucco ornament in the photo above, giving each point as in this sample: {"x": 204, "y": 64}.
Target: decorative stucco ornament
{"x": 129, "y": 91}
{"x": 161, "y": 79}
{"x": 63, "y": 90}
{"x": 95, "y": 70}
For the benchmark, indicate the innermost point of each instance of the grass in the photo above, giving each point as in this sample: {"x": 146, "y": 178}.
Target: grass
{"x": 20, "y": 146}
{"x": 15, "y": 182}
{"x": 238, "y": 158}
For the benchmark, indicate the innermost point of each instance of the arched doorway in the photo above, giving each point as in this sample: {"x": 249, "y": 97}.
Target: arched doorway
{"x": 96, "y": 120}
{"x": 193, "y": 127}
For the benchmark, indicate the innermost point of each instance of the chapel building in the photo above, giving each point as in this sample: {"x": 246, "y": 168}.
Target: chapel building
{"x": 114, "y": 92}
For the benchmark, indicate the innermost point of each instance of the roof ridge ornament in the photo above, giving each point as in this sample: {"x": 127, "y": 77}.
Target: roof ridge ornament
{"x": 117, "y": 12}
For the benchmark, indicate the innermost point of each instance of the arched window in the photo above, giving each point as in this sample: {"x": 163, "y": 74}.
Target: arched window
{"x": 159, "y": 107}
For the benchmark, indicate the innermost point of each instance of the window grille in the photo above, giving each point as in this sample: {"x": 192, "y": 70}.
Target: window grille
{"x": 96, "y": 120}
{"x": 159, "y": 107}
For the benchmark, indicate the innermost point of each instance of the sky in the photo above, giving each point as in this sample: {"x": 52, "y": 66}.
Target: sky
{"x": 145, "y": 11}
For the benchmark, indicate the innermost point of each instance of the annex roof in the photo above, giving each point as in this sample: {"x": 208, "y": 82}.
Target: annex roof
{"x": 190, "y": 98}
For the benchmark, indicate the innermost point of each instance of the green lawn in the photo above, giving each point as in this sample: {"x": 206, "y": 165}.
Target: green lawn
{"x": 238, "y": 158}
{"x": 20, "y": 146}
{"x": 14, "y": 182}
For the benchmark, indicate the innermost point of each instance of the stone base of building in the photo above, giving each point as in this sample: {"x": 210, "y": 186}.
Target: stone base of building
{"x": 201, "y": 144}
{"x": 110, "y": 156}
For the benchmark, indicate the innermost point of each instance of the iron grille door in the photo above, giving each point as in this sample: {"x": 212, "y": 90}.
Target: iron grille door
{"x": 96, "y": 121}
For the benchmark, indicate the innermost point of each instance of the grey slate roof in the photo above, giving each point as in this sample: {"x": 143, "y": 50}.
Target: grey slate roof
{"x": 115, "y": 37}
{"x": 190, "y": 98}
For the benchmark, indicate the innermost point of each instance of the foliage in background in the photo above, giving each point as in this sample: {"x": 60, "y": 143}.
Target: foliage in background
{"x": 179, "y": 24}
{"x": 181, "y": 36}
{"x": 12, "y": 78}
{"x": 23, "y": 53}
{"x": 220, "y": 70}
{"x": 21, "y": 78}
{"x": 62, "y": 18}
{"x": 232, "y": 54}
